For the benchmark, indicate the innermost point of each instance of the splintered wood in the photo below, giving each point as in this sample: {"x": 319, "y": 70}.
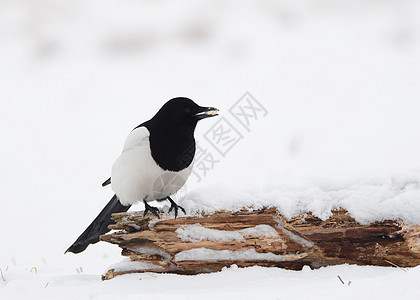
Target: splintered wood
{"x": 193, "y": 245}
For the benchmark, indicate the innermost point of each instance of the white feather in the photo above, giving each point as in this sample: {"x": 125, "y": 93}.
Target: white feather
{"x": 135, "y": 176}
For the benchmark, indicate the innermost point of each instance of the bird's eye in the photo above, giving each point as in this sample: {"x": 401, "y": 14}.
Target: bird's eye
{"x": 187, "y": 110}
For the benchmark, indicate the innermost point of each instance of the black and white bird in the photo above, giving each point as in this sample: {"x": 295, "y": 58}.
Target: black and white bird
{"x": 155, "y": 163}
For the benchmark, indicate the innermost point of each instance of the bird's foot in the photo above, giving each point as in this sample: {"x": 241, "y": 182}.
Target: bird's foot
{"x": 152, "y": 209}
{"x": 175, "y": 207}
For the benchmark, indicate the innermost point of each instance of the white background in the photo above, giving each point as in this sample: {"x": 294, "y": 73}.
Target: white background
{"x": 339, "y": 79}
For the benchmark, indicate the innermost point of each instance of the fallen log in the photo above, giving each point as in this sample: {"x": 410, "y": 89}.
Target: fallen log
{"x": 202, "y": 244}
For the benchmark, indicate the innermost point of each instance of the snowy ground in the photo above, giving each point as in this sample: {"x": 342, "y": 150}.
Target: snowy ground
{"x": 338, "y": 79}
{"x": 231, "y": 283}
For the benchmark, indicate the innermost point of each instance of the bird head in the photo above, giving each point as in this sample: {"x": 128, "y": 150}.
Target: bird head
{"x": 183, "y": 112}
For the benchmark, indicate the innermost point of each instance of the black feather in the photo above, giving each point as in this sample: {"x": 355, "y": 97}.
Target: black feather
{"x": 106, "y": 182}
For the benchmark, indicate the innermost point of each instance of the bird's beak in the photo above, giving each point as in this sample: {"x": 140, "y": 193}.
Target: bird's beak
{"x": 206, "y": 112}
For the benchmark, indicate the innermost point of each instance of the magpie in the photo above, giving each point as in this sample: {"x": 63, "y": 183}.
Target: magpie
{"x": 155, "y": 163}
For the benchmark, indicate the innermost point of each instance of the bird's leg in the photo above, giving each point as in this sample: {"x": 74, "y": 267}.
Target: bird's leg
{"x": 175, "y": 207}
{"x": 153, "y": 210}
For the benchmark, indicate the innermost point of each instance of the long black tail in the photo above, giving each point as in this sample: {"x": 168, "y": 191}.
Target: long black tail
{"x": 98, "y": 227}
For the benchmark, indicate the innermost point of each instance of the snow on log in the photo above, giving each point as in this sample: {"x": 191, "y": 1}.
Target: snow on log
{"x": 202, "y": 244}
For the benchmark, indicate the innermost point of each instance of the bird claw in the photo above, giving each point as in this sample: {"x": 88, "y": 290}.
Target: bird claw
{"x": 175, "y": 207}
{"x": 152, "y": 209}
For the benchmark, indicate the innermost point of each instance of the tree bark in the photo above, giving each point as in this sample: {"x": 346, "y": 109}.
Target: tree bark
{"x": 258, "y": 238}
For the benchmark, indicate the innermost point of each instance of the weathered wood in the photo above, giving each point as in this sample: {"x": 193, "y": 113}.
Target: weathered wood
{"x": 304, "y": 240}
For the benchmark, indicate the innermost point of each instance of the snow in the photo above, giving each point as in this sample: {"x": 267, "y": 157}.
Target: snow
{"x": 248, "y": 254}
{"x": 338, "y": 79}
{"x": 260, "y": 230}
{"x": 197, "y": 233}
{"x": 367, "y": 199}
{"x": 230, "y": 283}
{"x": 128, "y": 265}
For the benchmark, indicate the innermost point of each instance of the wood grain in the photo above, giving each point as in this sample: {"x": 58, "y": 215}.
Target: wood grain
{"x": 304, "y": 240}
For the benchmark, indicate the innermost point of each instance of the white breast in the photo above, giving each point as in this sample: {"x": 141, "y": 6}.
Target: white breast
{"x": 135, "y": 175}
